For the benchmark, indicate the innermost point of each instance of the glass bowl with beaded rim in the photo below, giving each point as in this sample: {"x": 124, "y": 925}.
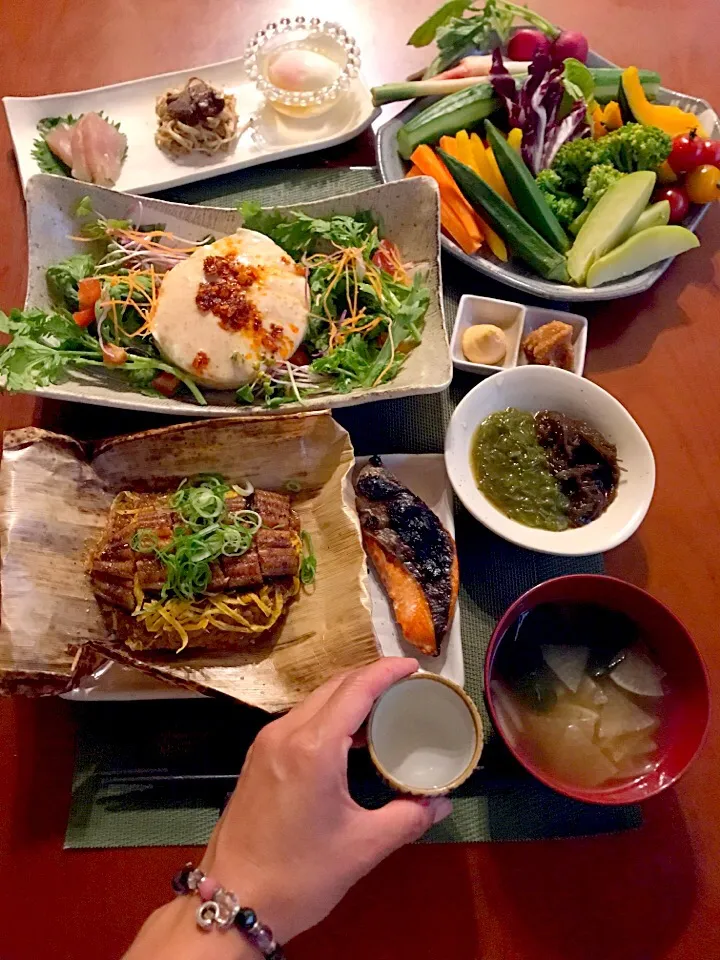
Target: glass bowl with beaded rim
{"x": 316, "y": 83}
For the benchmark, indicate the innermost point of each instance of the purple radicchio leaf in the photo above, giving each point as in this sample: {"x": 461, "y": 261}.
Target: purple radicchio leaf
{"x": 542, "y": 95}
{"x": 504, "y": 86}
{"x": 572, "y": 127}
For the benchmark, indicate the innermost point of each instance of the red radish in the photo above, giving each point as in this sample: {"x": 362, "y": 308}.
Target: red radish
{"x": 570, "y": 43}
{"x": 525, "y": 43}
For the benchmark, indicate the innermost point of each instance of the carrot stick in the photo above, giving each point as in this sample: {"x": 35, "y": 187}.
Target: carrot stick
{"x": 449, "y": 145}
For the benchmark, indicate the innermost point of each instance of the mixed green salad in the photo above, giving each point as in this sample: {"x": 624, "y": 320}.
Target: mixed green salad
{"x": 366, "y": 313}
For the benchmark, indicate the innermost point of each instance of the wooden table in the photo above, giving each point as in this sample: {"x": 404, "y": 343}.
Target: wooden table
{"x": 654, "y": 893}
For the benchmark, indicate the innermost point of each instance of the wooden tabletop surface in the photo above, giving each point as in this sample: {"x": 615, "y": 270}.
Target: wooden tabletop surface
{"x": 652, "y": 893}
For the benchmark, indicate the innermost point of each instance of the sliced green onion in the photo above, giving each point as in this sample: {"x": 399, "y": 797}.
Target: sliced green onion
{"x": 144, "y": 541}
{"x": 244, "y": 488}
{"x": 293, "y": 486}
{"x": 308, "y": 564}
{"x": 250, "y": 520}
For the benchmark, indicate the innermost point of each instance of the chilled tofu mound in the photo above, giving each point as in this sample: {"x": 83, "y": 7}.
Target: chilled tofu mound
{"x": 228, "y": 355}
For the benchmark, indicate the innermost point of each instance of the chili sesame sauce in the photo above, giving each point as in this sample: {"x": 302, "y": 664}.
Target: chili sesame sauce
{"x": 224, "y": 294}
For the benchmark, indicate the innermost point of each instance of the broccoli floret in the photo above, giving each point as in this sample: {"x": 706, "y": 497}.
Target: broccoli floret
{"x": 634, "y": 146}
{"x": 601, "y": 176}
{"x": 631, "y": 147}
{"x": 574, "y": 161}
{"x": 564, "y": 205}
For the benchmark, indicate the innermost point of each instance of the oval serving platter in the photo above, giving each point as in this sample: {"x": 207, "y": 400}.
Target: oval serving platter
{"x": 514, "y": 274}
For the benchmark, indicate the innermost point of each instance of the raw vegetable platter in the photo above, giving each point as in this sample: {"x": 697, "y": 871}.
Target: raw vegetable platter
{"x": 514, "y": 272}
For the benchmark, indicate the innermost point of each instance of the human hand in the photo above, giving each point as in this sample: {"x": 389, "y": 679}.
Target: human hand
{"x": 291, "y": 841}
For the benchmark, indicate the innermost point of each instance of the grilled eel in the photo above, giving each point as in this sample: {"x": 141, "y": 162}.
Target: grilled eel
{"x": 414, "y": 555}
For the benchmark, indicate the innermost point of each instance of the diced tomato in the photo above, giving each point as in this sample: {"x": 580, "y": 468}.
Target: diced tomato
{"x": 89, "y": 291}
{"x": 386, "y": 257}
{"x": 301, "y": 357}
{"x": 166, "y": 384}
{"x": 83, "y": 318}
{"x": 113, "y": 355}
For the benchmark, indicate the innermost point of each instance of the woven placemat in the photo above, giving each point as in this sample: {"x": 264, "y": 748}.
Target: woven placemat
{"x": 110, "y": 808}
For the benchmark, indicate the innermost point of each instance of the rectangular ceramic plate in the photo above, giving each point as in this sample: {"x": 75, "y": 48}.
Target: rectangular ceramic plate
{"x": 269, "y": 135}
{"x": 514, "y": 273}
{"x": 424, "y": 475}
{"x": 409, "y": 211}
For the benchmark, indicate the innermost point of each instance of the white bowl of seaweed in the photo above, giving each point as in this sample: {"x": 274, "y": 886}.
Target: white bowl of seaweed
{"x": 550, "y": 461}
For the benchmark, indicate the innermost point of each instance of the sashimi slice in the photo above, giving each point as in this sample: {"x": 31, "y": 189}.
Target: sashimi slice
{"x": 100, "y": 150}
{"x": 636, "y": 673}
{"x": 567, "y": 662}
{"x": 59, "y": 139}
{"x": 79, "y": 148}
{"x": 620, "y": 716}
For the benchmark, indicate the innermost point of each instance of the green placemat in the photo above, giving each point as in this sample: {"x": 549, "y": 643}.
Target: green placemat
{"x": 108, "y": 811}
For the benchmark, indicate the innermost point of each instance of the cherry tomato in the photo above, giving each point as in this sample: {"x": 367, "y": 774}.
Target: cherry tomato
{"x": 83, "y": 318}
{"x": 703, "y": 184}
{"x": 301, "y": 357}
{"x": 113, "y": 355}
{"x": 387, "y": 257}
{"x": 685, "y": 153}
{"x": 166, "y": 383}
{"x": 710, "y": 152}
{"x": 678, "y": 200}
{"x": 89, "y": 291}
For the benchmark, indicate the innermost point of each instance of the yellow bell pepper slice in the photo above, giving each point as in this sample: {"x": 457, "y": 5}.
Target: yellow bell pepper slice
{"x": 464, "y": 150}
{"x": 515, "y": 138}
{"x": 489, "y": 170}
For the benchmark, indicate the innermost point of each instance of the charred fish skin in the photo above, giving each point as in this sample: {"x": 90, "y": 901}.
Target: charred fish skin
{"x": 410, "y": 531}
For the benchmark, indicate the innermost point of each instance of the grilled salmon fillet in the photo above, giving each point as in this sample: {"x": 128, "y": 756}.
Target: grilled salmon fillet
{"x": 413, "y": 554}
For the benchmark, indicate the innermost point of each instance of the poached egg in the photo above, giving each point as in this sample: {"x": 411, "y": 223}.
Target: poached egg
{"x": 234, "y": 308}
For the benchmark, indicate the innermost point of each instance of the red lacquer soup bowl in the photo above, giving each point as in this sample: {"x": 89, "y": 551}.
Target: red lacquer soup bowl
{"x": 686, "y": 704}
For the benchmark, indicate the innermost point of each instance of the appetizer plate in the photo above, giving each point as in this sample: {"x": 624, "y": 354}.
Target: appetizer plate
{"x": 514, "y": 273}
{"x": 534, "y": 388}
{"x": 409, "y": 211}
{"x": 268, "y": 135}
{"x": 425, "y": 475}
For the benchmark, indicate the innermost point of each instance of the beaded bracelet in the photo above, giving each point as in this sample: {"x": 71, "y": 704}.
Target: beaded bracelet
{"x": 221, "y": 909}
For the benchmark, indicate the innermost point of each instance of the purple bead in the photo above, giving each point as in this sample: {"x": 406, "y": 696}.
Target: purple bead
{"x": 263, "y": 939}
{"x": 180, "y": 880}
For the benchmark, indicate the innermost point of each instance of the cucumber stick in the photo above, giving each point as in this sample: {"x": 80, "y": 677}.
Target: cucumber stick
{"x": 466, "y": 109}
{"x": 525, "y": 242}
{"x": 525, "y": 192}
{"x": 458, "y": 111}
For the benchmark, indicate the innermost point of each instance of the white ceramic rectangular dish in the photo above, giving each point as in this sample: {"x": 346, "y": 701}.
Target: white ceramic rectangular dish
{"x": 425, "y": 475}
{"x": 268, "y": 135}
{"x": 409, "y": 211}
{"x": 517, "y": 321}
